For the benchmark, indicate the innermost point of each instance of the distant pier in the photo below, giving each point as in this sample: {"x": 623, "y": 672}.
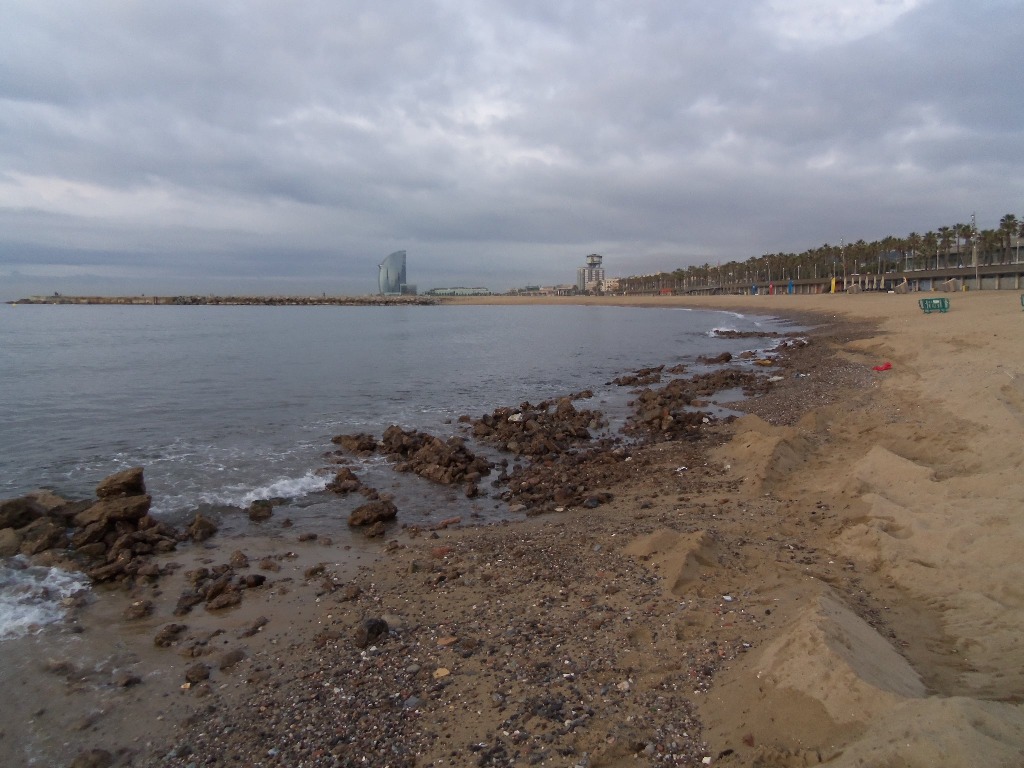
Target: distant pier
{"x": 258, "y": 301}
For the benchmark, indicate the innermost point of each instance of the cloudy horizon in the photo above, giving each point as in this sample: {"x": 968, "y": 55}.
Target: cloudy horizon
{"x": 179, "y": 147}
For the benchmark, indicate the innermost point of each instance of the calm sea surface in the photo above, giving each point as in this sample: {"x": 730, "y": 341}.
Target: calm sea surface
{"x": 225, "y": 405}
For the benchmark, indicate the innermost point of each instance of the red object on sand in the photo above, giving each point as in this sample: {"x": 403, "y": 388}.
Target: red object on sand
{"x": 882, "y": 367}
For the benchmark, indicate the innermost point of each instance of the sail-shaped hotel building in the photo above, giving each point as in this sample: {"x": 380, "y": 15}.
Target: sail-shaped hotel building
{"x": 392, "y": 275}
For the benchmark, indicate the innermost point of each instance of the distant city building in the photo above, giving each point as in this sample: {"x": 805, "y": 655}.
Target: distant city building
{"x": 391, "y": 278}
{"x": 591, "y": 277}
{"x": 458, "y": 291}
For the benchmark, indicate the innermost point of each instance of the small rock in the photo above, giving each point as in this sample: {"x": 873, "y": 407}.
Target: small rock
{"x": 381, "y": 510}
{"x": 93, "y": 758}
{"x": 369, "y": 631}
{"x": 124, "y": 679}
{"x": 197, "y": 673}
{"x": 260, "y": 510}
{"x": 224, "y": 600}
{"x": 140, "y": 609}
{"x": 168, "y": 635}
{"x": 238, "y": 559}
{"x": 350, "y": 592}
{"x": 230, "y": 658}
{"x": 201, "y": 528}
{"x": 253, "y": 580}
{"x": 255, "y": 627}
{"x": 126, "y": 483}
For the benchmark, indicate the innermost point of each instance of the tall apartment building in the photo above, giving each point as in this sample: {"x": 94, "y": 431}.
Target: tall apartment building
{"x": 591, "y": 277}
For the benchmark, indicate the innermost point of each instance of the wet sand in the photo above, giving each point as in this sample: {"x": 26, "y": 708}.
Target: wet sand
{"x": 832, "y": 579}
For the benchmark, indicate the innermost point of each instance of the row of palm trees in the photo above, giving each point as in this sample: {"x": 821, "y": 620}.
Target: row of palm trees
{"x": 947, "y": 246}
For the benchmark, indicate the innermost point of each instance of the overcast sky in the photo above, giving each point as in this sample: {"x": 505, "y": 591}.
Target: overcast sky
{"x": 165, "y": 146}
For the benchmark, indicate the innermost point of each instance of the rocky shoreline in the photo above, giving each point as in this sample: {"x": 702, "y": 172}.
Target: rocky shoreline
{"x": 462, "y": 616}
{"x": 810, "y": 583}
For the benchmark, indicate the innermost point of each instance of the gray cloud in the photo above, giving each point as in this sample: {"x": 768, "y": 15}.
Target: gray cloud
{"x": 290, "y": 147}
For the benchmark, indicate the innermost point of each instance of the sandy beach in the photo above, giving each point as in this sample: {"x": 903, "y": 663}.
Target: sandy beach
{"x": 832, "y": 578}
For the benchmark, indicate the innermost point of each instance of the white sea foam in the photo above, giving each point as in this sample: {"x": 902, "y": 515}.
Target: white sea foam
{"x": 288, "y": 487}
{"x": 33, "y": 596}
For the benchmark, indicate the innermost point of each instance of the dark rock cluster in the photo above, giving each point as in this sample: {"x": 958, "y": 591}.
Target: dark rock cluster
{"x": 640, "y": 378}
{"x": 668, "y": 413}
{"x": 571, "y": 479}
{"x": 110, "y": 539}
{"x": 447, "y": 462}
{"x": 218, "y": 587}
{"x": 549, "y": 428}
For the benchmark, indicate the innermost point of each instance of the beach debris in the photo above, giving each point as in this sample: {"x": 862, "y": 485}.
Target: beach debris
{"x": 883, "y": 367}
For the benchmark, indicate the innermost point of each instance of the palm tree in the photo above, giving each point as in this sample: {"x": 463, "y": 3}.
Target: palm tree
{"x": 930, "y": 245}
{"x": 945, "y": 242}
{"x": 1007, "y": 228}
{"x": 991, "y": 243}
{"x": 966, "y": 231}
{"x": 914, "y": 245}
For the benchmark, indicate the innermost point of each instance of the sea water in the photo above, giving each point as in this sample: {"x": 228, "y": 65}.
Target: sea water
{"x": 223, "y": 406}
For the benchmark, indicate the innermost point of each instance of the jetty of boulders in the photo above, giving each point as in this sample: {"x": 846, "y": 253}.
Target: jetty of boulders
{"x": 266, "y": 301}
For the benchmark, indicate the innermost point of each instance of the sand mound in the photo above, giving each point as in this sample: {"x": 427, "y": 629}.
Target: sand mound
{"x": 679, "y": 558}
{"x": 819, "y": 684}
{"x": 764, "y": 455}
{"x": 956, "y": 548}
{"x": 836, "y": 658}
{"x": 954, "y": 731}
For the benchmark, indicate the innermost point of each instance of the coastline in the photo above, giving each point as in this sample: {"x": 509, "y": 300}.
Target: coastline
{"x": 835, "y": 581}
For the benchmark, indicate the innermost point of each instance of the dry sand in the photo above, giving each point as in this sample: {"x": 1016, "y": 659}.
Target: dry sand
{"x": 837, "y": 581}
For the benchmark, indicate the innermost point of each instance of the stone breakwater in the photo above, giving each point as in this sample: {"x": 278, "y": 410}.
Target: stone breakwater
{"x": 265, "y": 301}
